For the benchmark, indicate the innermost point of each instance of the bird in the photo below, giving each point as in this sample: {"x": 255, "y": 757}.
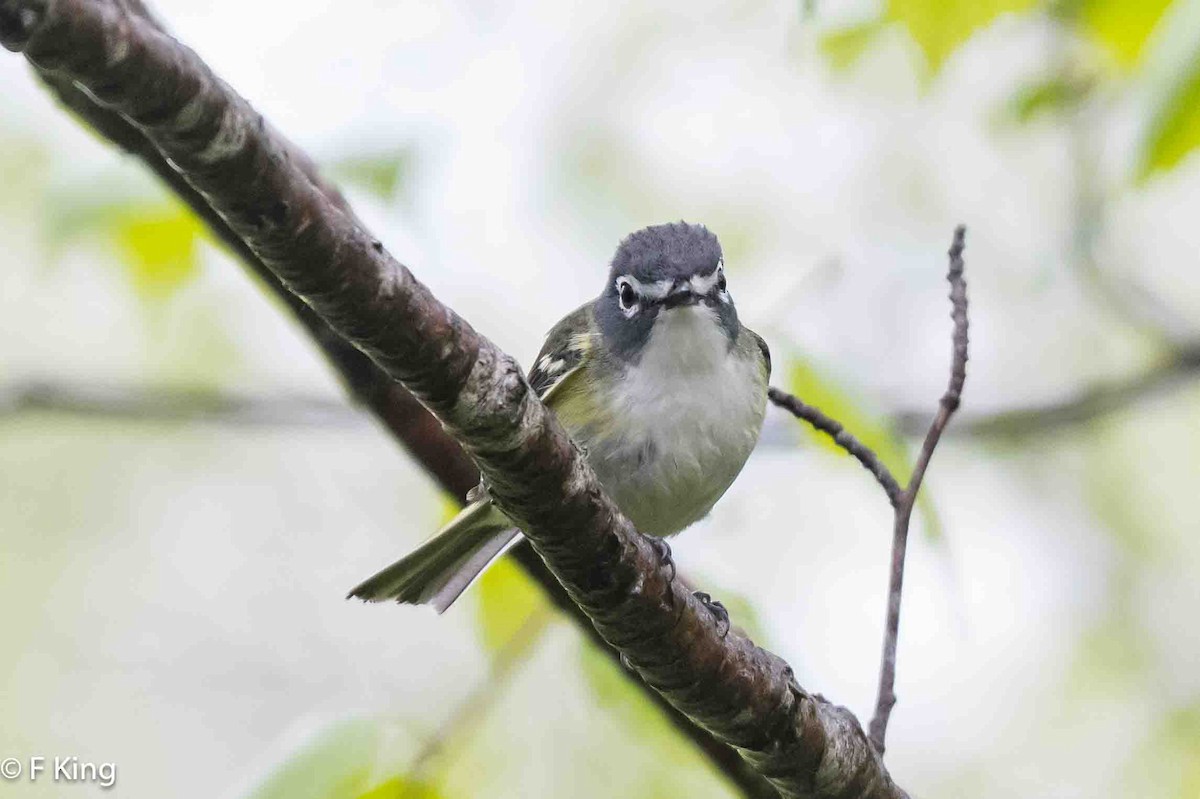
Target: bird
{"x": 656, "y": 380}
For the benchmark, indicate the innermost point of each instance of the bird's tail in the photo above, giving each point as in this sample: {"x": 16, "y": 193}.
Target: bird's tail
{"x": 444, "y": 566}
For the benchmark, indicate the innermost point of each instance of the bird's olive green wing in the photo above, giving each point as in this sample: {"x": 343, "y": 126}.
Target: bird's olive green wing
{"x": 567, "y": 347}
{"x": 763, "y": 349}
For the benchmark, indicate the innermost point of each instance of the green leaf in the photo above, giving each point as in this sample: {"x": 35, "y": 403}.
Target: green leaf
{"x": 844, "y": 46}
{"x": 343, "y": 761}
{"x": 816, "y": 388}
{"x": 939, "y": 27}
{"x": 1174, "y": 130}
{"x": 1046, "y": 96}
{"x": 337, "y": 764}
{"x": 380, "y": 174}
{"x": 159, "y": 246}
{"x": 1122, "y": 27}
{"x": 157, "y": 241}
{"x": 508, "y": 599}
{"x": 399, "y": 788}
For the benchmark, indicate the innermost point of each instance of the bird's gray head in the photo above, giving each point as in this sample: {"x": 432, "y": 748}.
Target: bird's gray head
{"x": 662, "y": 270}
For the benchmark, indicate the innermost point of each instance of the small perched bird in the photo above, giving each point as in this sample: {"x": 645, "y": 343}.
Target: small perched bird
{"x": 659, "y": 383}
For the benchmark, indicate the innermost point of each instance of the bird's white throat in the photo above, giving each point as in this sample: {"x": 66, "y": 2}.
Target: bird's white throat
{"x": 685, "y": 341}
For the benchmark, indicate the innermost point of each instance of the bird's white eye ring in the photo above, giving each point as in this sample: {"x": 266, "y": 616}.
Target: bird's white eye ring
{"x": 721, "y": 279}
{"x": 626, "y": 294}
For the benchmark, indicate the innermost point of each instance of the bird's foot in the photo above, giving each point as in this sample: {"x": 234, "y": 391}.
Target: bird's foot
{"x": 718, "y": 611}
{"x": 664, "y": 555}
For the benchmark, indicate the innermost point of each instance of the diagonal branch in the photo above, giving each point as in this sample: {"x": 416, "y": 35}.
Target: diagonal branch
{"x": 903, "y": 500}
{"x": 745, "y": 696}
{"x": 404, "y": 417}
{"x": 842, "y": 437}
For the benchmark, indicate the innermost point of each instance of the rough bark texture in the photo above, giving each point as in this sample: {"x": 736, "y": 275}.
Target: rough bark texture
{"x": 745, "y": 696}
{"x": 409, "y": 423}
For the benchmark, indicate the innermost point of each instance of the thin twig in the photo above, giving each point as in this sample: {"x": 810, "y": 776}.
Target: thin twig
{"x": 174, "y": 404}
{"x": 237, "y": 408}
{"x": 834, "y": 429}
{"x": 886, "y": 698}
{"x": 903, "y": 500}
{"x": 1177, "y": 368}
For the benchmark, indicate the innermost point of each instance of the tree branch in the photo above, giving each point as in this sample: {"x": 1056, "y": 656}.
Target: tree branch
{"x": 233, "y": 407}
{"x": 160, "y": 404}
{"x": 886, "y": 699}
{"x": 903, "y": 500}
{"x": 834, "y": 429}
{"x": 1179, "y": 366}
{"x": 743, "y": 695}
{"x": 405, "y": 418}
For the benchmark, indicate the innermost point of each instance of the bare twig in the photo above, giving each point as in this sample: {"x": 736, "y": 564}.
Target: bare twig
{"x": 235, "y": 407}
{"x": 171, "y": 404}
{"x": 834, "y": 429}
{"x": 1178, "y": 368}
{"x": 886, "y": 698}
{"x": 903, "y": 500}
{"x": 746, "y": 697}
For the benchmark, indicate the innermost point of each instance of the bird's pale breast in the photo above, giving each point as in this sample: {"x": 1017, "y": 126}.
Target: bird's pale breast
{"x": 680, "y": 424}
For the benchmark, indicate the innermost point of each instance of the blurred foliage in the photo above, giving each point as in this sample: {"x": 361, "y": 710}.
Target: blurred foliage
{"x": 160, "y": 247}
{"x": 1173, "y": 750}
{"x": 813, "y": 386}
{"x": 157, "y": 238}
{"x": 674, "y": 759}
{"x": 399, "y": 788}
{"x": 1045, "y": 96}
{"x": 507, "y": 600}
{"x": 1165, "y": 763}
{"x": 381, "y": 174}
{"x": 1120, "y": 27}
{"x": 1119, "y": 33}
{"x": 939, "y": 27}
{"x": 1174, "y": 131}
{"x": 1112, "y": 654}
{"x": 844, "y": 46}
{"x": 343, "y": 761}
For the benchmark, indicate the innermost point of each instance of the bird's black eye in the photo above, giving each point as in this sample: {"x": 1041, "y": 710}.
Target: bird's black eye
{"x": 627, "y": 294}
{"x": 720, "y": 278}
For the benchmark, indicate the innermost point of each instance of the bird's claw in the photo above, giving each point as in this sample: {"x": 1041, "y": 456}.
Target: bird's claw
{"x": 664, "y": 555}
{"x": 717, "y": 610}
